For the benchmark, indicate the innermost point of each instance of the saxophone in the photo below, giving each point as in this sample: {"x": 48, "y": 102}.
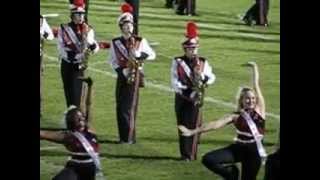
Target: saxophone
{"x": 197, "y": 84}
{"x": 134, "y": 64}
{"x": 84, "y": 47}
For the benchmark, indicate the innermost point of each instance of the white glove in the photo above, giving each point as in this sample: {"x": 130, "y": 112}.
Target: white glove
{"x": 79, "y": 56}
{"x": 126, "y": 72}
{"x": 193, "y": 94}
{"x": 181, "y": 86}
{"x": 41, "y": 31}
{"x": 202, "y": 76}
{"x": 90, "y": 41}
{"x": 135, "y": 53}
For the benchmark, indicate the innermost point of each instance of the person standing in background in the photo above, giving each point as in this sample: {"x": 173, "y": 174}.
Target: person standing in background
{"x": 169, "y": 4}
{"x": 257, "y": 13}
{"x": 186, "y": 7}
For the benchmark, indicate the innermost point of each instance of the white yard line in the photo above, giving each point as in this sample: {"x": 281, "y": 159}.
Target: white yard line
{"x": 159, "y": 86}
{"x": 254, "y": 35}
{"x": 49, "y": 148}
{"x": 99, "y": 62}
{"x": 50, "y": 15}
{"x": 212, "y": 26}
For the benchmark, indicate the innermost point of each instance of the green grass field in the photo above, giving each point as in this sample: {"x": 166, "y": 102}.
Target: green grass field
{"x": 224, "y": 40}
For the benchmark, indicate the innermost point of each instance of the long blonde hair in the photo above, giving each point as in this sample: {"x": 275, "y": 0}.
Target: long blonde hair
{"x": 240, "y": 95}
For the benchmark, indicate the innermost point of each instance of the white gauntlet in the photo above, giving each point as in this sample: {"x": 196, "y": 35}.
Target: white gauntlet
{"x": 79, "y": 56}
{"x": 202, "y": 76}
{"x": 181, "y": 86}
{"x": 136, "y": 54}
{"x": 126, "y": 72}
{"x": 193, "y": 94}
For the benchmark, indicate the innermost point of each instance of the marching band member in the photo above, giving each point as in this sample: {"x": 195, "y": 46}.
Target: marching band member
{"x": 190, "y": 74}
{"x": 45, "y": 34}
{"x": 76, "y": 42}
{"x": 249, "y": 121}
{"x": 127, "y": 54}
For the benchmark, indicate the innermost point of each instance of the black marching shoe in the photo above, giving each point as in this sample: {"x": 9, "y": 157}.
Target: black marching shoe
{"x": 248, "y": 21}
{"x": 186, "y": 159}
{"x": 168, "y": 5}
{"x": 234, "y": 173}
{"x": 126, "y": 142}
{"x": 180, "y": 13}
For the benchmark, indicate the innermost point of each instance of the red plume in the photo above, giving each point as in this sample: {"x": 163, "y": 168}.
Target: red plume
{"x": 192, "y": 30}
{"x": 126, "y": 8}
{"x": 78, "y": 3}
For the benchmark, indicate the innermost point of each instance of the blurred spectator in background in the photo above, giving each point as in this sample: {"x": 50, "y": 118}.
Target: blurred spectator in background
{"x": 258, "y": 13}
{"x": 186, "y": 7}
{"x": 169, "y": 3}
